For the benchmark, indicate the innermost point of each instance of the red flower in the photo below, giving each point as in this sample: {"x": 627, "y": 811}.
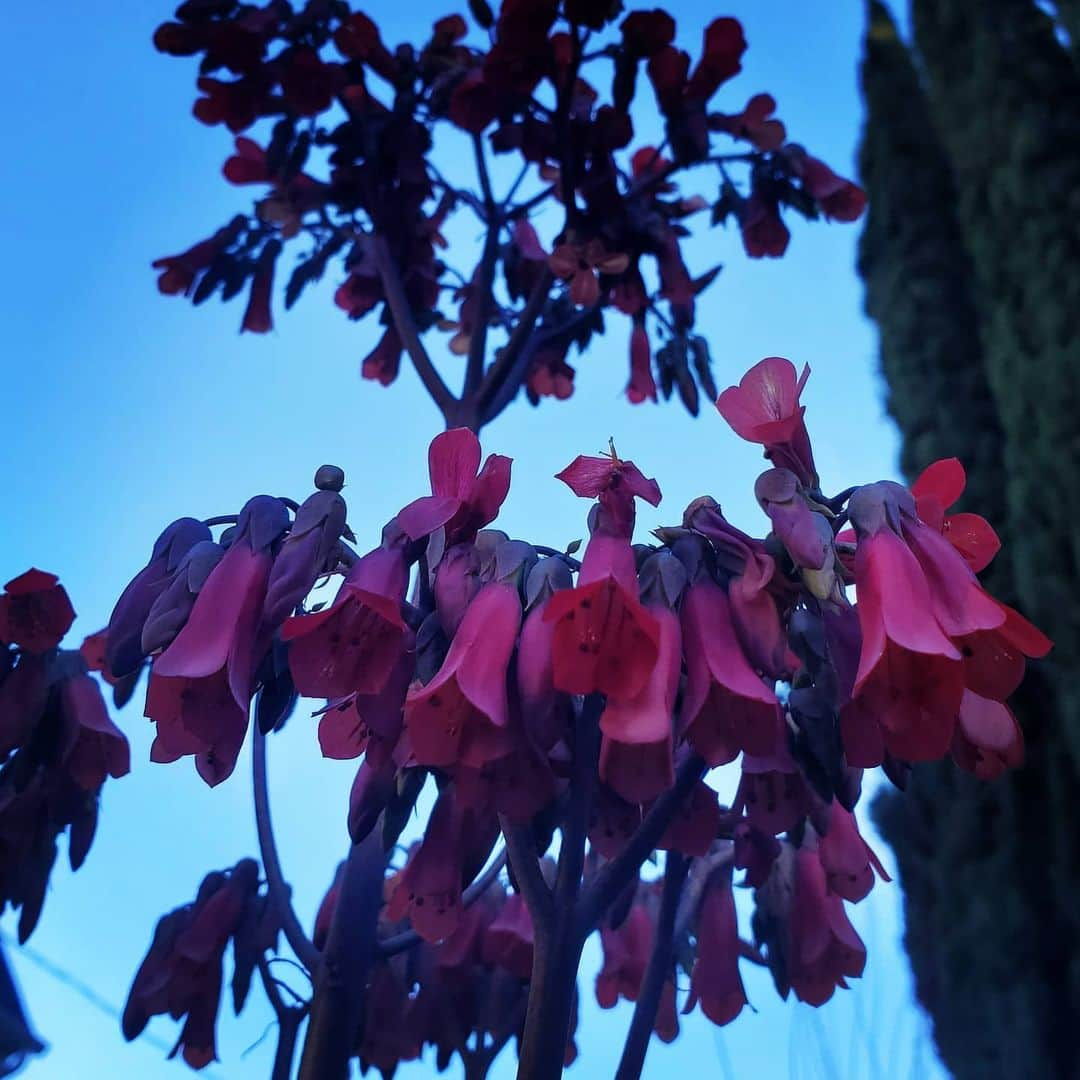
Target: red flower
{"x": 721, "y": 60}
{"x": 994, "y": 659}
{"x": 695, "y": 825}
{"x": 428, "y": 890}
{"x": 474, "y": 103}
{"x": 939, "y": 486}
{"x": 248, "y": 165}
{"x": 462, "y": 713}
{"x": 464, "y": 497}
{"x": 580, "y": 264}
{"x": 715, "y": 981}
{"x": 257, "y": 317}
{"x": 604, "y": 639}
{"x": 642, "y": 386}
{"x": 755, "y": 123}
{"x": 839, "y": 199}
{"x": 236, "y": 104}
{"x": 645, "y": 33}
{"x": 96, "y": 748}
{"x": 987, "y": 739}
{"x": 825, "y": 950}
{"x": 726, "y": 707}
{"x": 909, "y": 681}
{"x": 308, "y": 84}
{"x": 635, "y": 750}
{"x": 508, "y": 940}
{"x": 847, "y": 859}
{"x": 626, "y": 955}
{"x": 354, "y": 644}
{"x": 773, "y": 792}
{"x": 181, "y": 973}
{"x": 35, "y": 612}
{"x": 178, "y": 272}
{"x": 764, "y": 234}
{"x": 358, "y": 39}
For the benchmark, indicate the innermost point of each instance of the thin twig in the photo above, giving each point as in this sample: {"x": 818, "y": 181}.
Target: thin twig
{"x": 659, "y": 969}
{"x": 405, "y": 325}
{"x": 277, "y": 887}
{"x": 525, "y": 863}
{"x": 474, "y": 371}
{"x": 505, "y": 363}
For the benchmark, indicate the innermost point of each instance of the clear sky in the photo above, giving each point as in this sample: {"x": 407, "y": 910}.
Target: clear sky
{"x": 125, "y": 409}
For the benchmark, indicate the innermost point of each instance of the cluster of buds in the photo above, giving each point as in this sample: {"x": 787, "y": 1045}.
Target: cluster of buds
{"x": 57, "y": 743}
{"x": 181, "y": 975}
{"x": 364, "y": 118}
{"x": 506, "y": 658}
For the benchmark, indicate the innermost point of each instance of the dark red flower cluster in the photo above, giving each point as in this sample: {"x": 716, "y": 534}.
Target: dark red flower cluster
{"x": 57, "y": 743}
{"x": 182, "y": 973}
{"x": 463, "y": 992}
{"x": 363, "y": 117}
{"x": 707, "y": 646}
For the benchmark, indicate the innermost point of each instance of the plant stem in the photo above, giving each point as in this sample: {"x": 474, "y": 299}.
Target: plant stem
{"x": 337, "y": 1007}
{"x": 658, "y": 971}
{"x": 558, "y": 942}
{"x": 474, "y": 371}
{"x": 614, "y": 876}
{"x": 289, "y": 1021}
{"x": 398, "y": 303}
{"x": 276, "y": 885}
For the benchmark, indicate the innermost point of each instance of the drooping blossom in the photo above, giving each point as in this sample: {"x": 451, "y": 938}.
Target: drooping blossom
{"x": 848, "y": 860}
{"x": 726, "y": 707}
{"x": 181, "y": 974}
{"x": 123, "y": 648}
{"x": 636, "y": 744}
{"x": 825, "y": 951}
{"x": 353, "y": 644}
{"x": 508, "y": 940}
{"x": 755, "y": 123}
{"x": 462, "y": 713}
{"x": 604, "y": 638}
{"x": 200, "y": 686}
{"x": 773, "y": 792}
{"x": 626, "y": 950}
{"x": 715, "y": 982}
{"x": 987, "y": 739}
{"x": 764, "y": 234}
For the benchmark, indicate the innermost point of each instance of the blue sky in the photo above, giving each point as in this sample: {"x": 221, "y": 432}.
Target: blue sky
{"x": 125, "y": 409}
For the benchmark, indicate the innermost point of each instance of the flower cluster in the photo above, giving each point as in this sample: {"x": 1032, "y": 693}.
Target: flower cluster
{"x": 181, "y": 975}
{"x": 464, "y": 993}
{"x": 363, "y": 118}
{"x": 705, "y": 647}
{"x": 57, "y": 742}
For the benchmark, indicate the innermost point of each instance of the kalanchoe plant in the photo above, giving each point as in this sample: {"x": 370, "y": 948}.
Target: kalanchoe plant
{"x": 565, "y": 714}
{"x": 583, "y": 217}
{"x": 539, "y": 695}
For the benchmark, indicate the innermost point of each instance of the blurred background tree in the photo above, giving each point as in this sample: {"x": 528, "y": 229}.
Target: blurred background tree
{"x": 969, "y": 258}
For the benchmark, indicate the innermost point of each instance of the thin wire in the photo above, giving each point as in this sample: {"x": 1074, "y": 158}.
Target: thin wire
{"x": 85, "y": 991}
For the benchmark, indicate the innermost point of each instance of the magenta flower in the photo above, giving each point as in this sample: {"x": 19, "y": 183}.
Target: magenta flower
{"x": 626, "y": 951}
{"x": 508, "y": 940}
{"x": 847, "y": 859}
{"x": 715, "y": 981}
{"x": 764, "y": 408}
{"x": 462, "y": 713}
{"x": 773, "y": 792}
{"x": 464, "y": 497}
{"x": 987, "y": 739}
{"x": 604, "y": 639}
{"x": 354, "y": 644}
{"x": 636, "y": 745}
{"x": 825, "y": 950}
{"x": 726, "y": 707}
{"x": 96, "y": 747}
{"x": 213, "y": 658}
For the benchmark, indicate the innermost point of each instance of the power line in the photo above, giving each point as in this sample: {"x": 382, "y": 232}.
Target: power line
{"x": 86, "y": 992}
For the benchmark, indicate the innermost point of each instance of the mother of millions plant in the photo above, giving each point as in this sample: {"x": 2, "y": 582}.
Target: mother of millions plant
{"x": 566, "y": 713}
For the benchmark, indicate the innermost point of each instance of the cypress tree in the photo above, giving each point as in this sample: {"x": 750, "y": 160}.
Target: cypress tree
{"x": 990, "y": 873}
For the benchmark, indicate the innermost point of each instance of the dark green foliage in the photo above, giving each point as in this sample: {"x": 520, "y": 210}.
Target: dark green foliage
{"x": 971, "y": 258}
